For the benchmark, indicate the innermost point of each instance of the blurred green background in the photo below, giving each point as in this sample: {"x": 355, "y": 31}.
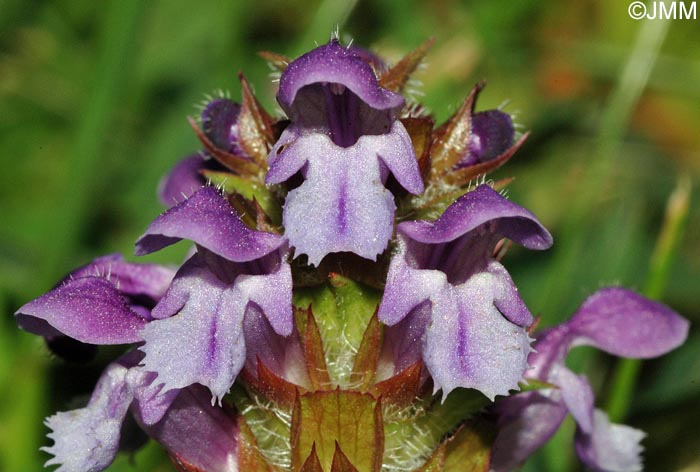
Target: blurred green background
{"x": 94, "y": 98}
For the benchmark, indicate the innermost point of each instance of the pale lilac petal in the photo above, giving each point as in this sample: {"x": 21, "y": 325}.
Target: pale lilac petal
{"x": 87, "y": 439}
{"x": 198, "y": 335}
{"x": 398, "y": 155}
{"x": 506, "y": 296}
{"x": 202, "y": 341}
{"x": 207, "y": 219}
{"x": 610, "y": 447}
{"x": 357, "y": 211}
{"x": 623, "y": 323}
{"x": 182, "y": 181}
{"x": 333, "y": 63}
{"x": 89, "y": 309}
{"x": 198, "y": 434}
{"x": 577, "y": 395}
{"x": 272, "y": 294}
{"x": 149, "y": 399}
{"x": 284, "y": 164}
{"x": 471, "y": 344}
{"x": 407, "y": 287}
{"x": 526, "y": 422}
{"x": 476, "y": 208}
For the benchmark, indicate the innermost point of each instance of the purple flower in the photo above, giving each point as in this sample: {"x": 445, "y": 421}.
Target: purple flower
{"x": 196, "y": 434}
{"x": 105, "y": 302}
{"x": 451, "y": 303}
{"x": 492, "y": 133}
{"x": 345, "y": 139}
{"x": 197, "y": 335}
{"x": 615, "y": 320}
{"x": 220, "y": 130}
{"x": 184, "y": 422}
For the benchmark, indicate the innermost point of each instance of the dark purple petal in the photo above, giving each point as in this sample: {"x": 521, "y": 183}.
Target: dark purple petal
{"x": 610, "y": 447}
{"x": 70, "y": 349}
{"x": 623, "y": 323}
{"x": 476, "y": 208}
{"x": 356, "y": 212}
{"x": 282, "y": 355}
{"x": 526, "y": 422}
{"x": 334, "y": 64}
{"x": 87, "y": 439}
{"x": 492, "y": 134}
{"x": 148, "y": 280}
{"x": 198, "y": 434}
{"x": 182, "y": 181}
{"x": 207, "y": 219}
{"x": 220, "y": 124}
{"x": 404, "y": 341}
{"x": 89, "y": 309}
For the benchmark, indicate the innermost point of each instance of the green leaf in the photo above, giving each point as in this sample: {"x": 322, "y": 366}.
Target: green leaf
{"x": 395, "y": 79}
{"x": 341, "y": 463}
{"x": 414, "y": 432}
{"x": 469, "y": 449}
{"x": 325, "y": 421}
{"x": 365, "y": 367}
{"x": 342, "y": 310}
{"x": 249, "y": 456}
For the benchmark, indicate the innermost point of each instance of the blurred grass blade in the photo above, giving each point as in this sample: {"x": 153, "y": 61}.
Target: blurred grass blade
{"x": 113, "y": 65}
{"x": 627, "y": 370}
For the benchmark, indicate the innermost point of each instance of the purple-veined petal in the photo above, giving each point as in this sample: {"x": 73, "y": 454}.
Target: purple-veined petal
{"x": 207, "y": 219}
{"x": 623, "y": 323}
{"x": 89, "y": 309}
{"x": 333, "y": 63}
{"x": 610, "y": 447}
{"x": 198, "y": 434}
{"x": 182, "y": 181}
{"x": 469, "y": 343}
{"x": 87, "y": 439}
{"x": 526, "y": 422}
{"x": 198, "y": 337}
{"x": 202, "y": 339}
{"x": 356, "y": 211}
{"x": 478, "y": 207}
